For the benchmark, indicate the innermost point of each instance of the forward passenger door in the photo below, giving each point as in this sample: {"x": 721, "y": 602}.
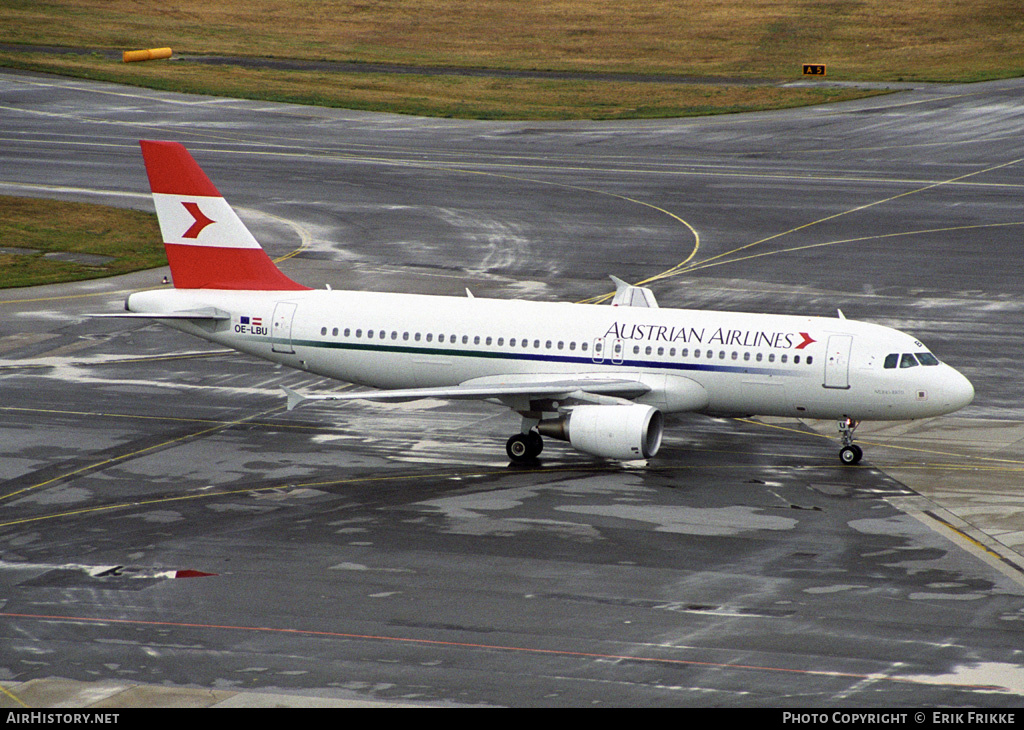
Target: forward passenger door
{"x": 837, "y": 362}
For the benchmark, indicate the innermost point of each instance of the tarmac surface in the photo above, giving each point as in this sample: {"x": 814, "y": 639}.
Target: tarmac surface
{"x": 171, "y": 536}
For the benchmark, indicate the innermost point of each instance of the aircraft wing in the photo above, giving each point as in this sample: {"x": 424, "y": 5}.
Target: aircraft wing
{"x": 514, "y": 390}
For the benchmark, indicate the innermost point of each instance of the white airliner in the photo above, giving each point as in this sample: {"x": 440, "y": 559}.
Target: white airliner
{"x": 599, "y": 377}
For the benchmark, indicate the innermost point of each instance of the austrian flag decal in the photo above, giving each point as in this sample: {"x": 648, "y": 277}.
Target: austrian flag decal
{"x": 251, "y": 326}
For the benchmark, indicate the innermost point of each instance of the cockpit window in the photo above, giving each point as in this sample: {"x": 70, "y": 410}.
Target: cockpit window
{"x": 907, "y": 360}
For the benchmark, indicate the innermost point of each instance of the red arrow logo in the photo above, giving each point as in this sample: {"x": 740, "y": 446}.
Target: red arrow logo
{"x": 201, "y": 220}
{"x": 807, "y": 340}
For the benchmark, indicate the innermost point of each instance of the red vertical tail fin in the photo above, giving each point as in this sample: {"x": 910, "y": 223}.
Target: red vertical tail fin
{"x": 208, "y": 246}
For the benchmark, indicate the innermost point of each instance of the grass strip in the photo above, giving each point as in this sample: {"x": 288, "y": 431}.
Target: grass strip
{"x": 47, "y": 241}
{"x": 464, "y": 97}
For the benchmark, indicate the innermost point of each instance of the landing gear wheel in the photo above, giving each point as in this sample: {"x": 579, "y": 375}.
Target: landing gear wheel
{"x": 851, "y": 454}
{"x": 524, "y": 447}
{"x": 517, "y": 448}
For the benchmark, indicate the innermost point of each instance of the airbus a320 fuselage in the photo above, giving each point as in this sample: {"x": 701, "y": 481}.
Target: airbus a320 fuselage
{"x": 599, "y": 377}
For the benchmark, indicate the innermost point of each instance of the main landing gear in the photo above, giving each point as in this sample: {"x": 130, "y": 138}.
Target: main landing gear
{"x": 851, "y": 453}
{"x": 524, "y": 447}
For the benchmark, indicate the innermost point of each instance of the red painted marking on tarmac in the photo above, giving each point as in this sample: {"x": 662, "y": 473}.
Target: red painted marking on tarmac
{"x": 491, "y": 647}
{"x": 191, "y": 574}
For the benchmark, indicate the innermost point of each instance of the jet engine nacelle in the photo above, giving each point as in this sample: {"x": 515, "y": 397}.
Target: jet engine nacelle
{"x": 613, "y": 431}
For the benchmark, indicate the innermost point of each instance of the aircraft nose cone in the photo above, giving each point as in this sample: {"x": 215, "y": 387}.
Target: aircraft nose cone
{"x": 958, "y": 390}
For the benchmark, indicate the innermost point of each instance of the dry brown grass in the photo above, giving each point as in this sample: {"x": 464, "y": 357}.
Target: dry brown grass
{"x": 442, "y": 96}
{"x": 877, "y": 39}
{"x": 960, "y": 40}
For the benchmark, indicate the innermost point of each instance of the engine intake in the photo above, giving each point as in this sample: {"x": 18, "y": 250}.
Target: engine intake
{"x": 614, "y": 431}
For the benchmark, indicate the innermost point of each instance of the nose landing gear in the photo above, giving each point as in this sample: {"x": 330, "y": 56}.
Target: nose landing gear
{"x": 851, "y": 453}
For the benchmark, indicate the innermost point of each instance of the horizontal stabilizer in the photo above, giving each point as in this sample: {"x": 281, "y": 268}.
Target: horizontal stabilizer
{"x": 208, "y": 315}
{"x": 627, "y": 295}
{"x": 295, "y": 398}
